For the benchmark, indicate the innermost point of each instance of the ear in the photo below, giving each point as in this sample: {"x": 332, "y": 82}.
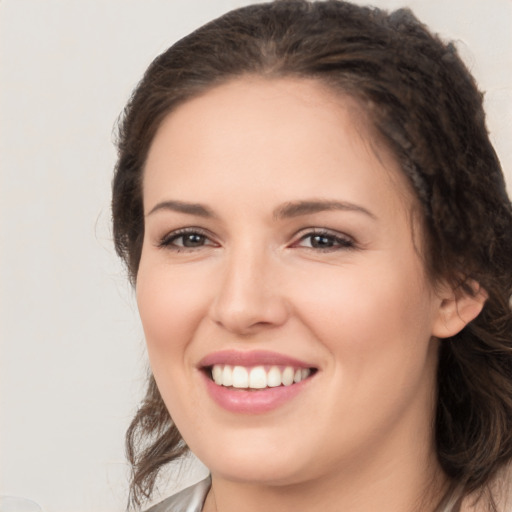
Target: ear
{"x": 457, "y": 307}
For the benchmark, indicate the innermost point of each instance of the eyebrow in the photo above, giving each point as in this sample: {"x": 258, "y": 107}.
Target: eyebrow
{"x": 298, "y": 208}
{"x": 285, "y": 211}
{"x": 183, "y": 207}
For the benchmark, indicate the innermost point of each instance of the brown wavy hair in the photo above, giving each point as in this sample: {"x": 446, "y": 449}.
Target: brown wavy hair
{"x": 425, "y": 105}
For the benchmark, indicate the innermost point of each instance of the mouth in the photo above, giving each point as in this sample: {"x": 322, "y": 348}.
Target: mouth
{"x": 254, "y": 381}
{"x": 257, "y": 377}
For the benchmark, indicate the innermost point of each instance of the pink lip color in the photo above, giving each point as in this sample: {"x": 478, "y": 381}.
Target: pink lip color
{"x": 255, "y": 401}
{"x": 252, "y": 358}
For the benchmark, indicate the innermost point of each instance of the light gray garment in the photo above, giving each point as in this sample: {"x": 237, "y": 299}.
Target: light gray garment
{"x": 190, "y": 499}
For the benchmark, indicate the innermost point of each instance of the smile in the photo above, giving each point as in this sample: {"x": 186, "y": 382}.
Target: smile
{"x": 257, "y": 377}
{"x": 256, "y": 381}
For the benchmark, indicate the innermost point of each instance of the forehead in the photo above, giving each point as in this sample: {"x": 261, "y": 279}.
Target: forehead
{"x": 276, "y": 131}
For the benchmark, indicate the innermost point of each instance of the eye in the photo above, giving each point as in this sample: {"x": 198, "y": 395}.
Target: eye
{"x": 184, "y": 239}
{"x": 325, "y": 241}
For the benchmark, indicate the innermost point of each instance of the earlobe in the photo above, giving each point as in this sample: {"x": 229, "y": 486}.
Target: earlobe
{"x": 457, "y": 308}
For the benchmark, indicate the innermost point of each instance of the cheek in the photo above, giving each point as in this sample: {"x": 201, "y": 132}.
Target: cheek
{"x": 376, "y": 326}
{"x": 369, "y": 315}
{"x": 171, "y": 305}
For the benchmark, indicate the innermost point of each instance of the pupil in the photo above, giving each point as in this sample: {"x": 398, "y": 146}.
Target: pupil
{"x": 193, "y": 240}
{"x": 321, "y": 241}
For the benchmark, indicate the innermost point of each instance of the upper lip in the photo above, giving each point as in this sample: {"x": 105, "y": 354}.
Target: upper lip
{"x": 251, "y": 358}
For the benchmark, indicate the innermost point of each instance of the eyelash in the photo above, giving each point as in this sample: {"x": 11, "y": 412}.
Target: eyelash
{"x": 168, "y": 241}
{"x": 337, "y": 241}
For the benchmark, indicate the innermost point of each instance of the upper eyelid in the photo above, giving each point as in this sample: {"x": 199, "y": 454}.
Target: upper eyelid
{"x": 344, "y": 241}
{"x": 304, "y": 232}
{"x": 176, "y": 233}
{"x": 296, "y": 237}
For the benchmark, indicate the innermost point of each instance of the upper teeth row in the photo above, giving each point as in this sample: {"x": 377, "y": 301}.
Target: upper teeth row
{"x": 257, "y": 377}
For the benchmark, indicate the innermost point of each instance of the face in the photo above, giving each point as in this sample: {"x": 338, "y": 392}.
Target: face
{"x": 286, "y": 309}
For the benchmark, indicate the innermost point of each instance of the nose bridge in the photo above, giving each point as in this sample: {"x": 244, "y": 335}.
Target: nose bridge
{"x": 248, "y": 296}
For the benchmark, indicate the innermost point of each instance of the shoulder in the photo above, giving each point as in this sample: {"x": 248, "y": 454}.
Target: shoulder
{"x": 502, "y": 489}
{"x": 190, "y": 499}
{"x": 497, "y": 496}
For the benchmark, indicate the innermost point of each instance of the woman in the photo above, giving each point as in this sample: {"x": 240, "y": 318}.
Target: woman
{"x": 321, "y": 242}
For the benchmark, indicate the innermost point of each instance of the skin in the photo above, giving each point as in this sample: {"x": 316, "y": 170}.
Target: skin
{"x": 362, "y": 312}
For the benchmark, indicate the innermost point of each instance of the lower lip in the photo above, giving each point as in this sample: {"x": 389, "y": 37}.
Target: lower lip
{"x": 256, "y": 401}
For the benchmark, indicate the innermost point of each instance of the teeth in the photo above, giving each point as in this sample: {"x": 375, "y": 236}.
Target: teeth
{"x": 227, "y": 376}
{"x": 217, "y": 374}
{"x": 287, "y": 378}
{"x": 240, "y": 377}
{"x": 257, "y": 377}
{"x": 274, "y": 377}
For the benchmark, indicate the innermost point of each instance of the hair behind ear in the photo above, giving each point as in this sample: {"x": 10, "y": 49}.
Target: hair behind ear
{"x": 474, "y": 406}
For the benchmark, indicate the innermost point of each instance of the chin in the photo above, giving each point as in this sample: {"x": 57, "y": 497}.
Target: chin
{"x": 258, "y": 474}
{"x": 257, "y": 461}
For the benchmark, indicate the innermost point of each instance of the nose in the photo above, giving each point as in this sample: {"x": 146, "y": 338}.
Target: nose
{"x": 249, "y": 297}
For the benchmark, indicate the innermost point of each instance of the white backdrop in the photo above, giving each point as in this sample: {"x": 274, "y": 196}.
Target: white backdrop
{"x": 72, "y": 359}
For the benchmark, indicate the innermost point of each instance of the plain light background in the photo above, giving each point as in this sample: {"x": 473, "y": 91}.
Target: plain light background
{"x": 72, "y": 360}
